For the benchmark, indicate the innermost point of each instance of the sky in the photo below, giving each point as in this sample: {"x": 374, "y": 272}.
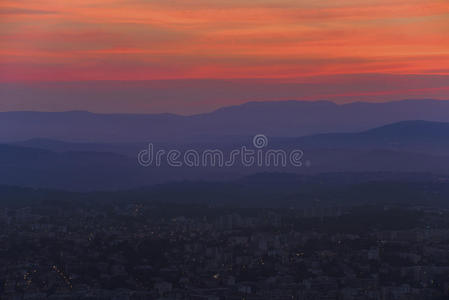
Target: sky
{"x": 51, "y": 48}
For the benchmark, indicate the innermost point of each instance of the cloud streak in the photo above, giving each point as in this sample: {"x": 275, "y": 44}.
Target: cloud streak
{"x": 89, "y": 40}
{"x": 23, "y": 11}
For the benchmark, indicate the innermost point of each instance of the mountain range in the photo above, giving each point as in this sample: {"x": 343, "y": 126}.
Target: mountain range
{"x": 407, "y": 146}
{"x": 280, "y": 119}
{"x": 410, "y": 136}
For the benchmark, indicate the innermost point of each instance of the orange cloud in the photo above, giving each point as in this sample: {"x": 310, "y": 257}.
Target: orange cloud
{"x": 155, "y": 39}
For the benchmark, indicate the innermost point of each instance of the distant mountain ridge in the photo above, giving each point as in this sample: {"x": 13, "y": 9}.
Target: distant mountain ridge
{"x": 410, "y": 136}
{"x": 415, "y": 129}
{"x": 409, "y": 146}
{"x": 283, "y": 118}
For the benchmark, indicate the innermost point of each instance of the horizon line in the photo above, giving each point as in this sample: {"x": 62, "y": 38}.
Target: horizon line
{"x": 229, "y": 106}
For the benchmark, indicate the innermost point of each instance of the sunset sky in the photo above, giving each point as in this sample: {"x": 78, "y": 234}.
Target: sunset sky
{"x": 281, "y": 41}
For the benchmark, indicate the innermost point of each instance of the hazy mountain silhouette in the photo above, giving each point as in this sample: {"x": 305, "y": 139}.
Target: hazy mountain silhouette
{"x": 401, "y": 147}
{"x": 410, "y": 136}
{"x": 284, "y": 118}
{"x": 129, "y": 149}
